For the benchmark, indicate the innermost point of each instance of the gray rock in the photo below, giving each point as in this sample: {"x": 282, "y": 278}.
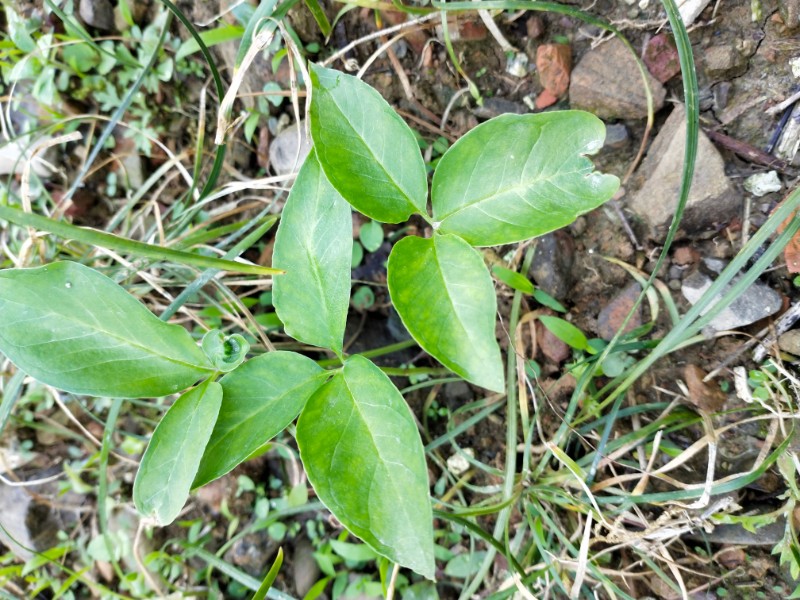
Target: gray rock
{"x": 552, "y": 263}
{"x": 14, "y": 534}
{"x": 27, "y": 525}
{"x": 790, "y": 12}
{"x": 305, "y": 569}
{"x": 97, "y": 13}
{"x": 457, "y": 392}
{"x": 755, "y": 303}
{"x": 712, "y": 198}
{"x": 607, "y": 82}
{"x": 494, "y": 107}
{"x": 790, "y": 342}
{"x": 724, "y": 61}
{"x": 617, "y": 136}
{"x": 284, "y": 156}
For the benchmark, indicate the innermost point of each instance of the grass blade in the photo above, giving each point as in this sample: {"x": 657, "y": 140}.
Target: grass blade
{"x": 113, "y": 242}
{"x": 269, "y": 579}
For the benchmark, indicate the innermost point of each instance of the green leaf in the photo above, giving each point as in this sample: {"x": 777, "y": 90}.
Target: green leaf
{"x": 314, "y": 244}
{"x": 520, "y": 176}
{"x": 445, "y": 297}
{"x": 71, "y": 327}
{"x": 371, "y": 235}
{"x": 566, "y": 332}
{"x": 363, "y": 298}
{"x": 259, "y": 399}
{"x": 353, "y": 552}
{"x": 18, "y": 32}
{"x": 513, "y": 279}
{"x": 270, "y": 577}
{"x": 173, "y": 455}
{"x": 367, "y": 151}
{"x": 212, "y": 37}
{"x": 94, "y": 237}
{"x": 363, "y": 455}
{"x": 547, "y": 300}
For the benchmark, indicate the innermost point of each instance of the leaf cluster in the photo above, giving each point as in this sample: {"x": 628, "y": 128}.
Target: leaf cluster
{"x": 508, "y": 180}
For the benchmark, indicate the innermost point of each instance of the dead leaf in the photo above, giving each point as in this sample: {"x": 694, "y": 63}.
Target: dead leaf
{"x": 704, "y": 395}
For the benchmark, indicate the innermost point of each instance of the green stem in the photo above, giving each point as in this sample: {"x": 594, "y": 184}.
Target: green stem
{"x": 383, "y": 350}
{"x": 102, "y": 482}
{"x": 409, "y": 371}
{"x": 206, "y": 276}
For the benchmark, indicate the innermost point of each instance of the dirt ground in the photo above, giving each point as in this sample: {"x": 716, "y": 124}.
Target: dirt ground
{"x": 744, "y": 68}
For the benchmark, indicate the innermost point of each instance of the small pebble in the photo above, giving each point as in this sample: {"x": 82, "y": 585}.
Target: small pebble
{"x": 517, "y": 65}
{"x": 617, "y": 136}
{"x": 610, "y": 319}
{"x": 457, "y": 464}
{"x": 762, "y": 184}
{"x": 790, "y": 342}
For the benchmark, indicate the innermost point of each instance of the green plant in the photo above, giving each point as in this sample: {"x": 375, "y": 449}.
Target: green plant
{"x": 508, "y": 180}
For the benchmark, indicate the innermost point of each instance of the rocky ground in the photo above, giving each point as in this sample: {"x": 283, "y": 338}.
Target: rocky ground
{"x": 748, "y": 67}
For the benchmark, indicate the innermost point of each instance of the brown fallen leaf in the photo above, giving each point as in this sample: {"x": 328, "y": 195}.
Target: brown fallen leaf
{"x": 704, "y": 395}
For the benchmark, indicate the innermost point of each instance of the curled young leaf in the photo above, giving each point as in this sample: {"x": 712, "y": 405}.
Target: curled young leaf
{"x": 363, "y": 455}
{"x": 225, "y": 352}
{"x": 520, "y": 176}
{"x": 71, "y": 327}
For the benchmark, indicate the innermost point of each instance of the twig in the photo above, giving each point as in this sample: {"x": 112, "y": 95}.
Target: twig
{"x": 625, "y": 225}
{"x": 784, "y": 105}
{"x": 784, "y": 324}
{"x": 408, "y": 24}
{"x": 746, "y": 151}
{"x": 426, "y": 125}
{"x": 491, "y": 26}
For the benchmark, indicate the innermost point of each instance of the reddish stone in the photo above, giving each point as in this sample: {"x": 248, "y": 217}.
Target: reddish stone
{"x": 535, "y": 27}
{"x": 553, "y": 349}
{"x": 661, "y": 57}
{"x": 610, "y": 319}
{"x": 554, "y": 63}
{"x": 685, "y": 256}
{"x": 416, "y": 38}
{"x": 471, "y": 30}
{"x": 545, "y": 99}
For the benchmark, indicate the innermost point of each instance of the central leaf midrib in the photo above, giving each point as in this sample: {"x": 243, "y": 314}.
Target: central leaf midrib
{"x": 448, "y": 295}
{"x": 130, "y": 343}
{"x": 406, "y": 197}
{"x": 375, "y": 446}
{"x": 507, "y": 190}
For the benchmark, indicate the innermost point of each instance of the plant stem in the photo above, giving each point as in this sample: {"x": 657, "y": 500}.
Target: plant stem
{"x": 330, "y": 362}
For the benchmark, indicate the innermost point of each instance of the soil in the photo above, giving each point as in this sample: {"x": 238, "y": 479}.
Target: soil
{"x": 733, "y": 102}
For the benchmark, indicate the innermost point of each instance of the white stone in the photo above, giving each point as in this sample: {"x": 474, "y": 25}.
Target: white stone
{"x": 517, "y": 65}
{"x": 761, "y": 184}
{"x": 795, "y": 64}
{"x": 458, "y": 464}
{"x": 691, "y": 9}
